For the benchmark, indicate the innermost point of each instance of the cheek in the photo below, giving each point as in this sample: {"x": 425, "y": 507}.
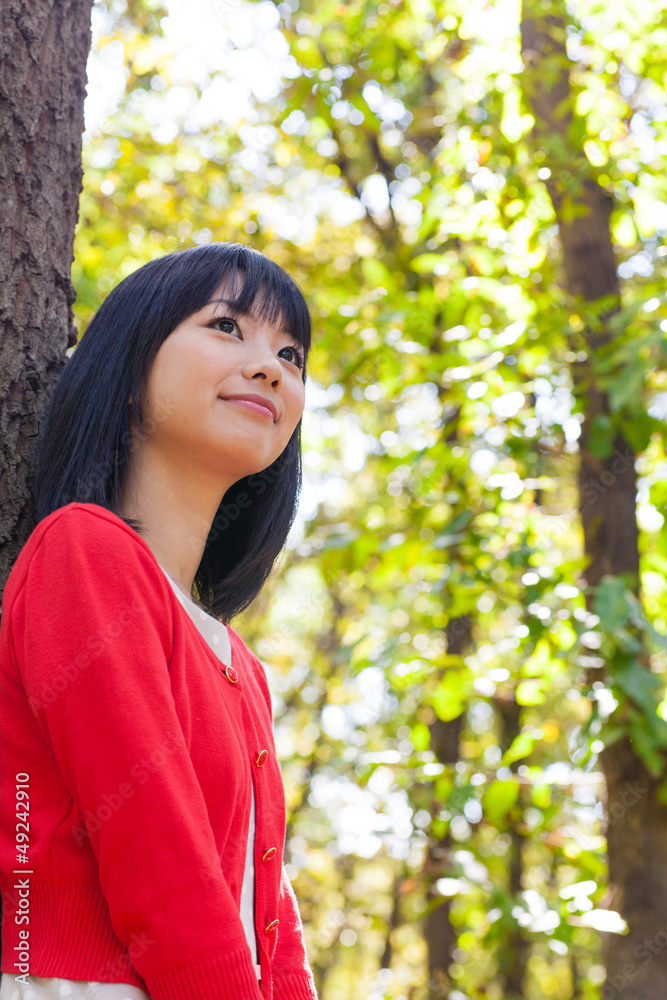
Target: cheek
{"x": 298, "y": 401}
{"x": 294, "y": 407}
{"x": 181, "y": 376}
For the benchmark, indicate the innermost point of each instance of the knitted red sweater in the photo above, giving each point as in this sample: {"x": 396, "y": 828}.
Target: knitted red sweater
{"x": 136, "y": 748}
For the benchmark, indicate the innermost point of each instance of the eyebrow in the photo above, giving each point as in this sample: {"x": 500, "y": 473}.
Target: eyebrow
{"x": 230, "y": 305}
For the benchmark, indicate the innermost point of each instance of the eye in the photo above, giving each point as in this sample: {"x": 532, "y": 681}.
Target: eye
{"x": 227, "y": 325}
{"x": 224, "y": 324}
{"x": 297, "y": 356}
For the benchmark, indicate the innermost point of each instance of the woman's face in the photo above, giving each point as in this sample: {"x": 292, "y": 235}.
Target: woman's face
{"x": 210, "y": 357}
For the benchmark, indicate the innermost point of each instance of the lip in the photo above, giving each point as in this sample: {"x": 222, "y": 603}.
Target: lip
{"x": 262, "y": 401}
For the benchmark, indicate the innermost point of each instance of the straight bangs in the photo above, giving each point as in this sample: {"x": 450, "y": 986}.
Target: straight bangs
{"x": 260, "y": 287}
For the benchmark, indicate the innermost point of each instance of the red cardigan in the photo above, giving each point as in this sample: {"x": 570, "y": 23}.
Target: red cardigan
{"x": 139, "y": 747}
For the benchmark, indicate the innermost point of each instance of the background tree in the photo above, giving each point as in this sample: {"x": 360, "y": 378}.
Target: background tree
{"x": 612, "y": 435}
{"x": 43, "y": 51}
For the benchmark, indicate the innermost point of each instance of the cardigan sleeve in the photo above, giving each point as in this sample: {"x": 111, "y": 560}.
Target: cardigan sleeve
{"x": 92, "y": 626}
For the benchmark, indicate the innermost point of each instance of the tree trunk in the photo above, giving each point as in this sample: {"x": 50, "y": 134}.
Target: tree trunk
{"x": 44, "y": 47}
{"x": 513, "y": 958}
{"x": 439, "y": 933}
{"x": 636, "y": 819}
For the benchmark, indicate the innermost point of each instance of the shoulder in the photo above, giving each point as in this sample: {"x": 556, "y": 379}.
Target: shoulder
{"x": 83, "y": 541}
{"x": 86, "y": 520}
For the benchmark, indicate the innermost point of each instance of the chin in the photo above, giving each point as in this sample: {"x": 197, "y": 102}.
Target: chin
{"x": 256, "y": 470}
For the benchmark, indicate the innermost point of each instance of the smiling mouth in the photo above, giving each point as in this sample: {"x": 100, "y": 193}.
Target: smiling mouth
{"x": 250, "y": 405}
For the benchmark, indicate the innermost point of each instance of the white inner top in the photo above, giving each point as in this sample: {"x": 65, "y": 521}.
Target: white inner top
{"x": 217, "y": 637}
{"x": 52, "y": 988}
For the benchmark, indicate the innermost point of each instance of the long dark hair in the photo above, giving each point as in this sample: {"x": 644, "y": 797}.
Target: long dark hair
{"x": 85, "y": 441}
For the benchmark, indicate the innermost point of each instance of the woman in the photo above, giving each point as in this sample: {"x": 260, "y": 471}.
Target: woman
{"x": 142, "y": 809}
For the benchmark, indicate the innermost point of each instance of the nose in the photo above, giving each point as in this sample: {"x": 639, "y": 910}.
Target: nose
{"x": 263, "y": 365}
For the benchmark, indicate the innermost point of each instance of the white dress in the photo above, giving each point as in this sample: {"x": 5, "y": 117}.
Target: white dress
{"x": 54, "y": 988}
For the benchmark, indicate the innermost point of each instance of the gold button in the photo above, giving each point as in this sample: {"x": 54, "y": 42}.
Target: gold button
{"x": 272, "y": 926}
{"x": 261, "y": 758}
{"x": 232, "y": 675}
{"x": 269, "y": 854}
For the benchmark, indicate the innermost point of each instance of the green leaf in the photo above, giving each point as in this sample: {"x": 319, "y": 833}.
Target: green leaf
{"x": 639, "y": 683}
{"x": 627, "y": 385}
{"x": 459, "y": 795}
{"x": 645, "y": 746}
{"x": 541, "y": 795}
{"x": 425, "y": 262}
{"x": 421, "y": 736}
{"x": 601, "y": 437}
{"x": 498, "y": 799}
{"x": 611, "y": 604}
{"x": 531, "y": 692}
{"x": 639, "y": 618}
{"x": 521, "y": 746}
{"x": 443, "y": 786}
{"x": 611, "y": 735}
{"x": 662, "y": 792}
{"x": 450, "y": 696}
{"x": 639, "y": 430}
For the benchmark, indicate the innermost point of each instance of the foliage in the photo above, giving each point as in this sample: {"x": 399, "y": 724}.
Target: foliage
{"x": 391, "y": 172}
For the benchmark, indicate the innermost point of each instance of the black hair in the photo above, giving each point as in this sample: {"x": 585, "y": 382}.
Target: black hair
{"x": 85, "y": 442}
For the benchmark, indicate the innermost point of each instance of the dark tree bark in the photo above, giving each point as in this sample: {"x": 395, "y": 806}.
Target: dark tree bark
{"x": 513, "y": 958}
{"x": 636, "y": 820}
{"x": 44, "y": 47}
{"x": 439, "y": 933}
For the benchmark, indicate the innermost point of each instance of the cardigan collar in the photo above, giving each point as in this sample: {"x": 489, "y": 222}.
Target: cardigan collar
{"x": 214, "y": 632}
